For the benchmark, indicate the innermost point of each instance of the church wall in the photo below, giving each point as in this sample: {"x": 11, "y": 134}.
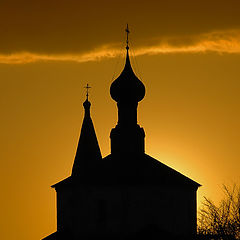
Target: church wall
{"x": 168, "y": 209}
{"x": 126, "y": 209}
{"x": 90, "y": 209}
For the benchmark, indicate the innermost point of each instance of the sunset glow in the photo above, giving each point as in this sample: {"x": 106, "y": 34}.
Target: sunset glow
{"x": 187, "y": 54}
{"x": 216, "y": 42}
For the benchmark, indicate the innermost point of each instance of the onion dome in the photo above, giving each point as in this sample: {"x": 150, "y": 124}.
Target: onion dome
{"x": 127, "y": 87}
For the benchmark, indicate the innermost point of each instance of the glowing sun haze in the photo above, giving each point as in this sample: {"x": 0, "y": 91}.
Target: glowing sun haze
{"x": 187, "y": 53}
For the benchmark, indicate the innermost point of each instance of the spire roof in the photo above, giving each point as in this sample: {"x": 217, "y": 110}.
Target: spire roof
{"x": 88, "y": 151}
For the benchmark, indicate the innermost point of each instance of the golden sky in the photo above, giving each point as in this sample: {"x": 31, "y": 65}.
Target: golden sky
{"x": 187, "y": 53}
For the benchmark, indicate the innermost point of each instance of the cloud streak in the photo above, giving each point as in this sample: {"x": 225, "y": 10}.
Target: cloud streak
{"x": 220, "y": 42}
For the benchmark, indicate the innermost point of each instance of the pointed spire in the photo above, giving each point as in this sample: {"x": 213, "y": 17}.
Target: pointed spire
{"x": 88, "y": 151}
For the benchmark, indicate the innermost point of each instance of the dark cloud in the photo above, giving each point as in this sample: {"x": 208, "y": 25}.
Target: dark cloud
{"x": 76, "y": 26}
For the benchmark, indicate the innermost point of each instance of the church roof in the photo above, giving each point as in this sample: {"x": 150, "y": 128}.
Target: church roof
{"x": 133, "y": 170}
{"x": 58, "y": 235}
{"x": 143, "y": 169}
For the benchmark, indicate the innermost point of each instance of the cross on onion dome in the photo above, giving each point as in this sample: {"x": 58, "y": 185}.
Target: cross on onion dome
{"x": 87, "y": 88}
{"x": 127, "y": 31}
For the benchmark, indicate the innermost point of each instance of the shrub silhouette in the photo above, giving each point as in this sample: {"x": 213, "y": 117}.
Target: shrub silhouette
{"x": 221, "y": 221}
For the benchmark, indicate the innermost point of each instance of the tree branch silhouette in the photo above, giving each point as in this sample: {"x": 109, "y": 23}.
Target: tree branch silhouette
{"x": 221, "y": 221}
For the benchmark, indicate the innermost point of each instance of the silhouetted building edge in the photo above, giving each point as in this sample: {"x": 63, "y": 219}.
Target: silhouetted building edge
{"x": 127, "y": 194}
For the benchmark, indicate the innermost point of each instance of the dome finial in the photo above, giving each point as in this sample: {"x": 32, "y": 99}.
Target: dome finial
{"x": 127, "y": 31}
{"x": 87, "y": 90}
{"x": 87, "y": 104}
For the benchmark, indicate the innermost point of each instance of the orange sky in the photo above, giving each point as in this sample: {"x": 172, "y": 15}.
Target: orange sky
{"x": 187, "y": 53}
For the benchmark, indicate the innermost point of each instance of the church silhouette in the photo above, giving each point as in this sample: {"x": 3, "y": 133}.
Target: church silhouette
{"x": 127, "y": 194}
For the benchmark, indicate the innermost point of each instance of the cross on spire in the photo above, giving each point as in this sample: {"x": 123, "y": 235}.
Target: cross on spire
{"x": 87, "y": 88}
{"x": 127, "y": 31}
